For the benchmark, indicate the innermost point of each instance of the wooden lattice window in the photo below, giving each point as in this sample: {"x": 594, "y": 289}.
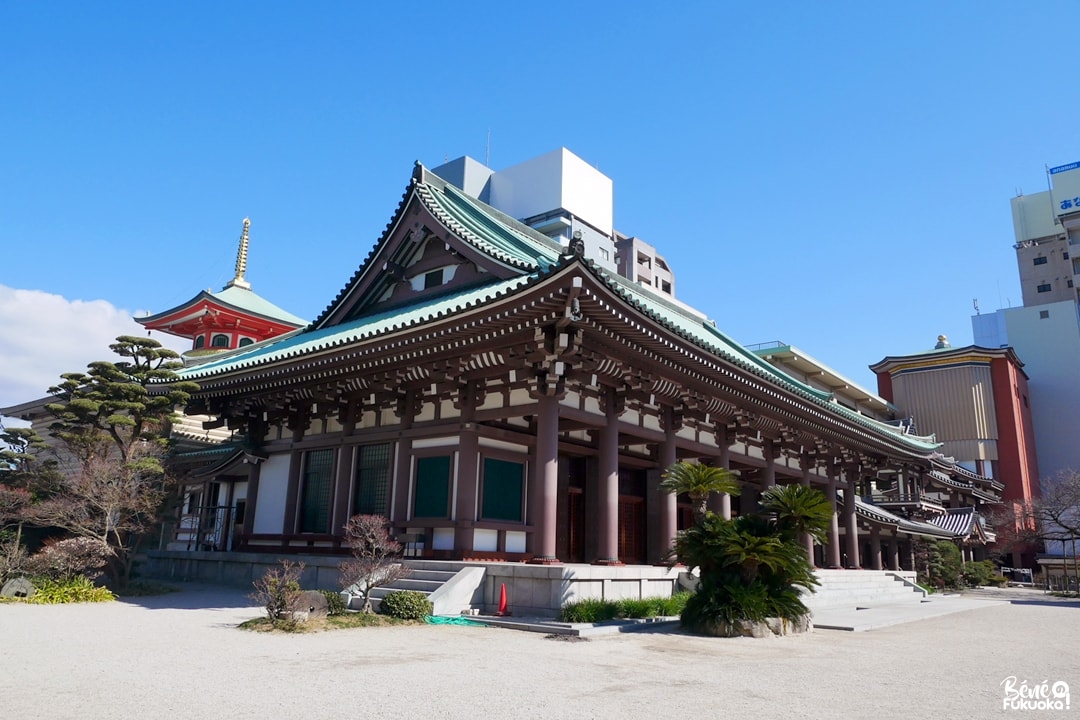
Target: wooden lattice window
{"x": 318, "y": 491}
{"x": 372, "y": 496}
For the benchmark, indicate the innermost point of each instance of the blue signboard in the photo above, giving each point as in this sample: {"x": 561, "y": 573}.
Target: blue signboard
{"x": 1063, "y": 168}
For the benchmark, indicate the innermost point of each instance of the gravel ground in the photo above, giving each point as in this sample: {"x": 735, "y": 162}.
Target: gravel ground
{"x": 180, "y": 656}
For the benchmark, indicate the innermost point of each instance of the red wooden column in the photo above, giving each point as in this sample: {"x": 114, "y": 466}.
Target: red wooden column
{"x": 467, "y": 470}
{"x": 768, "y": 475}
{"x": 720, "y": 503}
{"x": 851, "y": 522}
{"x": 805, "y": 464}
{"x": 875, "y": 548}
{"x": 894, "y": 552}
{"x": 608, "y": 546}
{"x": 669, "y": 524}
{"x": 834, "y": 524}
{"x": 546, "y": 480}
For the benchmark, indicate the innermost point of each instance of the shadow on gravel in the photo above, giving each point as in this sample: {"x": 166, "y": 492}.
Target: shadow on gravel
{"x": 190, "y": 596}
{"x": 1051, "y": 603}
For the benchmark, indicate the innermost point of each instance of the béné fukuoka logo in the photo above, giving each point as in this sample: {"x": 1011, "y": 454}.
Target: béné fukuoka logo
{"x": 1035, "y": 696}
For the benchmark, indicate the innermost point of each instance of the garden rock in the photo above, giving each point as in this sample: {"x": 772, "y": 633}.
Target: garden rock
{"x": 312, "y": 604}
{"x": 768, "y": 628}
{"x": 18, "y": 587}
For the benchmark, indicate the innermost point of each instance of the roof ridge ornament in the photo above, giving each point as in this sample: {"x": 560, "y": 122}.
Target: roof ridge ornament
{"x": 576, "y": 246}
{"x": 241, "y": 259}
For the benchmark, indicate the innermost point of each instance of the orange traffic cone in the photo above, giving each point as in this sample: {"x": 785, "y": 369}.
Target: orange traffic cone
{"x": 503, "y": 610}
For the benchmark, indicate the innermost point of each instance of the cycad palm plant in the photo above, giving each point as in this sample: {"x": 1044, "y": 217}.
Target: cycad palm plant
{"x": 798, "y": 509}
{"x": 697, "y": 481}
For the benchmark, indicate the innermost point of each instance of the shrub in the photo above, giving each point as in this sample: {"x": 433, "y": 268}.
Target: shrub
{"x": 70, "y": 590}
{"x": 939, "y": 563}
{"x": 376, "y": 556}
{"x": 998, "y": 580}
{"x": 278, "y": 590}
{"x": 335, "y": 604}
{"x": 646, "y": 607}
{"x": 979, "y": 573}
{"x": 674, "y": 605}
{"x": 406, "y": 605}
{"x": 70, "y": 558}
{"x": 588, "y": 611}
{"x": 12, "y": 558}
{"x": 594, "y": 611}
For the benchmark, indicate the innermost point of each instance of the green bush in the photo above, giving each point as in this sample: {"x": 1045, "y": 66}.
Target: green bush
{"x": 998, "y": 580}
{"x": 594, "y": 611}
{"x": 335, "y": 604}
{"x": 72, "y": 590}
{"x": 406, "y": 605}
{"x": 674, "y": 605}
{"x": 979, "y": 573}
{"x": 588, "y": 611}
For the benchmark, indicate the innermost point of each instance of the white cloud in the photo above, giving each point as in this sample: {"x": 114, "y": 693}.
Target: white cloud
{"x": 43, "y": 335}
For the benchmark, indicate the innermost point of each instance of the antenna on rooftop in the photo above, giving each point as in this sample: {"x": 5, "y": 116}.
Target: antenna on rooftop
{"x": 975, "y": 302}
{"x": 487, "y": 153}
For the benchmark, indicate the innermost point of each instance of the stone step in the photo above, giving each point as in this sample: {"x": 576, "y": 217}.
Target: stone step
{"x": 439, "y": 576}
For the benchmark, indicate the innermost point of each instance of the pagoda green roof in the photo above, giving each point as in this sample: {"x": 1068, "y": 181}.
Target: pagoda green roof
{"x": 248, "y": 300}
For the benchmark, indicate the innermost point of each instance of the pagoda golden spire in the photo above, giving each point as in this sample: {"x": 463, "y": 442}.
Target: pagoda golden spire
{"x": 241, "y": 259}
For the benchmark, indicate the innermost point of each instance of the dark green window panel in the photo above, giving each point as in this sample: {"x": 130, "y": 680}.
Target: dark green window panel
{"x": 318, "y": 491}
{"x": 372, "y": 495}
{"x": 504, "y": 485}
{"x": 432, "y": 488}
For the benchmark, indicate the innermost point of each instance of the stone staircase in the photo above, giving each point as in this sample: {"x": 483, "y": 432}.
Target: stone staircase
{"x": 451, "y": 587}
{"x": 863, "y": 588}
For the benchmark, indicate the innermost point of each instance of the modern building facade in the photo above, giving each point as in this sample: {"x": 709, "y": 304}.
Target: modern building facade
{"x": 977, "y": 400}
{"x": 1045, "y": 332}
{"x": 1047, "y": 229}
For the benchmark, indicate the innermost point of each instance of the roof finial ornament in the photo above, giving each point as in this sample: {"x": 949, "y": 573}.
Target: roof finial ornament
{"x": 942, "y": 343}
{"x": 241, "y": 259}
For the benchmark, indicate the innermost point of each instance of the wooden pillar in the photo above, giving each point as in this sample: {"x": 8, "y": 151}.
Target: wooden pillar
{"x": 875, "y": 547}
{"x": 250, "y": 504}
{"x": 834, "y": 521}
{"x": 400, "y": 512}
{"x": 467, "y": 483}
{"x": 808, "y": 540}
{"x": 608, "y": 463}
{"x": 768, "y": 475}
{"x": 894, "y": 552}
{"x": 720, "y": 503}
{"x": 668, "y": 525}
{"x": 468, "y": 471}
{"x": 546, "y": 480}
{"x": 851, "y": 522}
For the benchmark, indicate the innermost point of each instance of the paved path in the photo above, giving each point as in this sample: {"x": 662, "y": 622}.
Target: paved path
{"x": 180, "y": 656}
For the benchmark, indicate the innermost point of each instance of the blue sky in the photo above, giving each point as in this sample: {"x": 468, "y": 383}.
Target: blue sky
{"x": 833, "y": 175}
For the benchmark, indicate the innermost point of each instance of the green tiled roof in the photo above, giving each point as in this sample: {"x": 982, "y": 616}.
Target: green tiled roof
{"x": 359, "y": 329}
{"x": 247, "y": 300}
{"x": 490, "y": 231}
{"x": 516, "y": 245}
{"x": 705, "y": 334}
